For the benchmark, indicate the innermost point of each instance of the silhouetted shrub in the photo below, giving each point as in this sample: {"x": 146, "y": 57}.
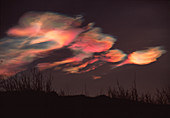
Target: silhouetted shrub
{"x": 161, "y": 96}
{"x": 31, "y": 80}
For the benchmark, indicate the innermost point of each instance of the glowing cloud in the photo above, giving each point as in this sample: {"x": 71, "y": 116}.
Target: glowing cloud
{"x": 144, "y": 56}
{"x": 40, "y": 33}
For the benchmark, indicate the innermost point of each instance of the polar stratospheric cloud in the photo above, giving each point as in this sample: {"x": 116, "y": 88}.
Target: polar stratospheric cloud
{"x": 37, "y": 34}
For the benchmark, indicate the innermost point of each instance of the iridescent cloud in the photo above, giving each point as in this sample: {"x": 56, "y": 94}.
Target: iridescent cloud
{"x": 39, "y": 33}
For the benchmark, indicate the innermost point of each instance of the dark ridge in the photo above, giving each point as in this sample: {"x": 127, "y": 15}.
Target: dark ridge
{"x": 31, "y": 104}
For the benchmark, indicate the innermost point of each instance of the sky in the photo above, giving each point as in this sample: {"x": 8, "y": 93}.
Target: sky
{"x": 136, "y": 25}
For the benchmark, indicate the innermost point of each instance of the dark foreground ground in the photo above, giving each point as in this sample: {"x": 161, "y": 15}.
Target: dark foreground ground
{"x": 50, "y": 105}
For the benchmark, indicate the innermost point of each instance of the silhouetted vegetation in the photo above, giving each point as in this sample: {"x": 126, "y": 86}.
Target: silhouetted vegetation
{"x": 122, "y": 93}
{"x": 162, "y": 96}
{"x": 36, "y": 81}
{"x": 32, "y": 80}
{"x": 30, "y": 94}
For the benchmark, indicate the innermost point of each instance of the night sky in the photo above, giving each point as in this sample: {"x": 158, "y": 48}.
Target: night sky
{"x": 135, "y": 24}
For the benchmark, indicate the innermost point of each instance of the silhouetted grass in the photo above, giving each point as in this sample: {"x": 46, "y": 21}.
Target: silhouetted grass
{"x": 35, "y": 81}
{"x": 32, "y": 80}
{"x": 161, "y": 96}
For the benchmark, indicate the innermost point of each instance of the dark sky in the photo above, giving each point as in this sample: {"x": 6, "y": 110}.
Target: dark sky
{"x": 136, "y": 25}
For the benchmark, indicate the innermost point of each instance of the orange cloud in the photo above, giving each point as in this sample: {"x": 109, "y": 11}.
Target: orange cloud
{"x": 145, "y": 56}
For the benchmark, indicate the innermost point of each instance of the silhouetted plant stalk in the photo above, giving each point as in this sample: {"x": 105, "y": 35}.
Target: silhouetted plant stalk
{"x": 161, "y": 96}
{"x": 122, "y": 93}
{"x": 32, "y": 80}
